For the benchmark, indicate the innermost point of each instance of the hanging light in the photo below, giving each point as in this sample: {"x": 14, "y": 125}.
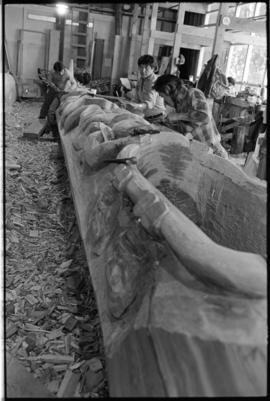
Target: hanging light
{"x": 61, "y": 8}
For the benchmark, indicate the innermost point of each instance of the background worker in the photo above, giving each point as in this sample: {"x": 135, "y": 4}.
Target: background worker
{"x": 181, "y": 61}
{"x": 193, "y": 115}
{"x": 231, "y": 84}
{"x": 148, "y": 100}
{"x": 62, "y": 80}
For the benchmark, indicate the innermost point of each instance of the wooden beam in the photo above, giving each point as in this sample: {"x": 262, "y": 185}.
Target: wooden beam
{"x": 197, "y": 40}
{"x": 189, "y": 35}
{"x": 241, "y": 38}
{"x": 116, "y": 57}
{"x": 178, "y": 35}
{"x": 146, "y": 29}
{"x": 133, "y": 35}
{"x": 220, "y": 29}
{"x": 247, "y": 25}
{"x": 153, "y": 25}
{"x": 117, "y": 43}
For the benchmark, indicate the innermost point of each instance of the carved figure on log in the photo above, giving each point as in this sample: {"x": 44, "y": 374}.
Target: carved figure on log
{"x": 176, "y": 250}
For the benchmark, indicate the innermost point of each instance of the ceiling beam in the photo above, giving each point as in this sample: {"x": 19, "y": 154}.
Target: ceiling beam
{"x": 247, "y": 25}
{"x": 242, "y": 38}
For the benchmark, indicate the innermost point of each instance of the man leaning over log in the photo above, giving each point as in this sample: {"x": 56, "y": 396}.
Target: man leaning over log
{"x": 61, "y": 81}
{"x": 193, "y": 116}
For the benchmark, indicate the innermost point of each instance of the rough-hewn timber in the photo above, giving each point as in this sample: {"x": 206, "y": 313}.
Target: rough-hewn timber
{"x": 172, "y": 327}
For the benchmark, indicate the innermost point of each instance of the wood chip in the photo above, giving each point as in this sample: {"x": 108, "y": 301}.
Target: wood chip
{"x": 32, "y": 327}
{"x": 68, "y": 343}
{"x": 70, "y": 323}
{"x": 34, "y": 234}
{"x": 92, "y": 380}
{"x": 60, "y": 368}
{"x": 52, "y": 358}
{"x": 31, "y": 299}
{"x": 66, "y": 264}
{"x": 53, "y": 386}
{"x": 69, "y": 384}
{"x": 11, "y": 330}
{"x": 77, "y": 365}
{"x": 95, "y": 364}
{"x": 54, "y": 334}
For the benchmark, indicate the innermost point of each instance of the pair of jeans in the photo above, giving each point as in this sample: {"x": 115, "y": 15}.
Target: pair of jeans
{"x": 49, "y": 97}
{"x": 51, "y": 118}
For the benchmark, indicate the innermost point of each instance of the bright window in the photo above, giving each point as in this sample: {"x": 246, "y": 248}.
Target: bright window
{"x": 260, "y": 9}
{"x": 237, "y": 61}
{"x": 257, "y": 65}
{"x": 246, "y": 10}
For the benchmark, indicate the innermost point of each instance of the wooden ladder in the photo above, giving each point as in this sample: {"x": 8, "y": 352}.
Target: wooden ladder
{"x": 79, "y": 38}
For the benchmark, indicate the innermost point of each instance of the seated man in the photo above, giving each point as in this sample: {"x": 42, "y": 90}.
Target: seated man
{"x": 193, "y": 115}
{"x": 62, "y": 80}
{"x": 148, "y": 100}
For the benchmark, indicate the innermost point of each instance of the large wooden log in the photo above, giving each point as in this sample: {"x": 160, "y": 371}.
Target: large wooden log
{"x": 180, "y": 282}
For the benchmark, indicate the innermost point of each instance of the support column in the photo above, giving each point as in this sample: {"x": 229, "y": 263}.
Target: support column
{"x": 153, "y": 25}
{"x": 60, "y": 26}
{"x": 178, "y": 34}
{"x": 146, "y": 30}
{"x": 220, "y": 30}
{"x": 133, "y": 36}
{"x": 116, "y": 58}
{"x": 117, "y": 42}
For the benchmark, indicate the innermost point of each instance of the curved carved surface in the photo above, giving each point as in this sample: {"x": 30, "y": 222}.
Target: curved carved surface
{"x": 167, "y": 332}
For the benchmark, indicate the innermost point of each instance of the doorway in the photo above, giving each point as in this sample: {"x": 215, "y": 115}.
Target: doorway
{"x": 191, "y": 63}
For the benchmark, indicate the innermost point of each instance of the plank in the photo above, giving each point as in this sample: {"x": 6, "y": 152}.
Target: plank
{"x": 68, "y": 385}
{"x": 35, "y": 130}
{"x": 22, "y": 384}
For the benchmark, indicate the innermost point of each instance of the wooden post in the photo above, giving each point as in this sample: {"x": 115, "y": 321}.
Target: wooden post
{"x": 220, "y": 31}
{"x": 116, "y": 56}
{"x": 117, "y": 42}
{"x": 153, "y": 25}
{"x": 60, "y": 25}
{"x": 146, "y": 29}
{"x": 133, "y": 35}
{"x": 178, "y": 34}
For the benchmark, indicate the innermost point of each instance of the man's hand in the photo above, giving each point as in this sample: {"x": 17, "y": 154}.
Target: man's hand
{"x": 137, "y": 108}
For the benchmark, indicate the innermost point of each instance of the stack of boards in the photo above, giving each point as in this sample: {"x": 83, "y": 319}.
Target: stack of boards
{"x": 172, "y": 324}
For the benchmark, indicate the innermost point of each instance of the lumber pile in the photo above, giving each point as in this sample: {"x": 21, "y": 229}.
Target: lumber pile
{"x": 176, "y": 250}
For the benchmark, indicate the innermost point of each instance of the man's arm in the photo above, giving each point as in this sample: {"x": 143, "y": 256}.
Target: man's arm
{"x": 71, "y": 83}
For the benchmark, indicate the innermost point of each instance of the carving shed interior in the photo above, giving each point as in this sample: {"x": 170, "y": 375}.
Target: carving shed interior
{"x": 135, "y": 200}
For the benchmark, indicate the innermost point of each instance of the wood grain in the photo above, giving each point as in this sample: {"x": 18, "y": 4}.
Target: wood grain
{"x": 168, "y": 334}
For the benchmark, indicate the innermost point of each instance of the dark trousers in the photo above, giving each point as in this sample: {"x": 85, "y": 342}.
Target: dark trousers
{"x": 51, "y": 118}
{"x": 49, "y": 97}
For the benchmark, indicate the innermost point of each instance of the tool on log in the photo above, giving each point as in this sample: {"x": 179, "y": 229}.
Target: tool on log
{"x": 126, "y": 160}
{"x": 143, "y": 131}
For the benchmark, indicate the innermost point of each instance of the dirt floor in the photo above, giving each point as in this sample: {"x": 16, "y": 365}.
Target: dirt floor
{"x": 52, "y": 323}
